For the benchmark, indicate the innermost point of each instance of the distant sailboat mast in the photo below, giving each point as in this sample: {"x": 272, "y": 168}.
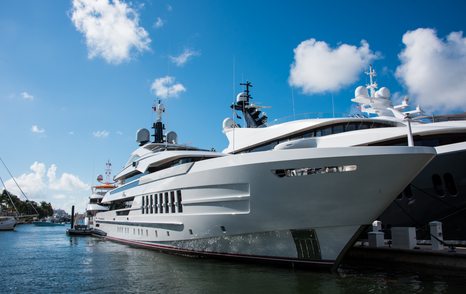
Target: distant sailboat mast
{"x": 22, "y": 192}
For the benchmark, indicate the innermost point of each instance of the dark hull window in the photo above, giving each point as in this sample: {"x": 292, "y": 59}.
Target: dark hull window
{"x": 438, "y": 185}
{"x": 151, "y": 204}
{"x": 450, "y": 184}
{"x": 124, "y": 212}
{"x": 142, "y": 207}
{"x": 165, "y": 203}
{"x": 172, "y": 201}
{"x": 161, "y": 202}
{"x": 429, "y": 141}
{"x": 178, "y": 198}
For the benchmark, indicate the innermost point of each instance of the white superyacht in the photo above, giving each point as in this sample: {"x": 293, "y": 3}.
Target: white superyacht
{"x": 437, "y": 193}
{"x": 303, "y": 206}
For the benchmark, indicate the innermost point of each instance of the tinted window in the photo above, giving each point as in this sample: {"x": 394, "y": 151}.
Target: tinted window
{"x": 450, "y": 184}
{"x": 438, "y": 185}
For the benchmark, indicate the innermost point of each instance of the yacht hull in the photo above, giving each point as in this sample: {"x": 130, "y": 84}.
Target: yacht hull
{"x": 438, "y": 193}
{"x": 7, "y": 223}
{"x": 263, "y": 206}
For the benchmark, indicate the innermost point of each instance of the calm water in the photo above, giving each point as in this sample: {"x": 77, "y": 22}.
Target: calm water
{"x": 45, "y": 260}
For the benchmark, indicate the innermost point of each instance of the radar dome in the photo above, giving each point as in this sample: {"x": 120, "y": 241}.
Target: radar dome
{"x": 228, "y": 123}
{"x": 361, "y": 91}
{"x": 142, "y": 136}
{"x": 241, "y": 97}
{"x": 172, "y": 137}
{"x": 383, "y": 92}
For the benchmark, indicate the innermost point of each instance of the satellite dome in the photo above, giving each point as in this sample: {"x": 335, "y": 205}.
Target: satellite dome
{"x": 172, "y": 137}
{"x": 241, "y": 97}
{"x": 142, "y": 136}
{"x": 383, "y": 92}
{"x": 228, "y": 123}
{"x": 100, "y": 178}
{"x": 361, "y": 91}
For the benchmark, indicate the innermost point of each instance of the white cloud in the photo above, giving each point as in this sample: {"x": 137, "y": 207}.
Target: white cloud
{"x": 101, "y": 134}
{"x": 159, "y": 23}
{"x": 71, "y": 133}
{"x": 36, "y": 129}
{"x": 181, "y": 59}
{"x": 166, "y": 87}
{"x": 434, "y": 69}
{"x": 169, "y": 7}
{"x": 119, "y": 133}
{"x": 27, "y": 96}
{"x": 317, "y": 68}
{"x": 66, "y": 182}
{"x": 111, "y": 30}
{"x": 42, "y": 184}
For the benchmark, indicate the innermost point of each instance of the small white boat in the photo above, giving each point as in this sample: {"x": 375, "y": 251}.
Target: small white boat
{"x": 7, "y": 223}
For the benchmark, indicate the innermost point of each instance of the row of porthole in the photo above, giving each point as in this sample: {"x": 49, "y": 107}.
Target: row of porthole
{"x": 140, "y": 232}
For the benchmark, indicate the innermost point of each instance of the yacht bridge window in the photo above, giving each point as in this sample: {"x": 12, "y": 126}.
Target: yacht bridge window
{"x": 428, "y": 140}
{"x": 122, "y": 204}
{"x": 175, "y": 162}
{"x": 319, "y": 132}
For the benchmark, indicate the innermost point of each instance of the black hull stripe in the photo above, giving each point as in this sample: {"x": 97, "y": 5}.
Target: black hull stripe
{"x": 168, "y": 226}
{"x": 327, "y": 264}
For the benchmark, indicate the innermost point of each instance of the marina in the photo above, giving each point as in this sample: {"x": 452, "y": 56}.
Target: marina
{"x": 232, "y": 146}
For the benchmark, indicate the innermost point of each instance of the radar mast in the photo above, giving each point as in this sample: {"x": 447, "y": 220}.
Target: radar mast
{"x": 253, "y": 117}
{"x": 108, "y": 171}
{"x": 158, "y": 126}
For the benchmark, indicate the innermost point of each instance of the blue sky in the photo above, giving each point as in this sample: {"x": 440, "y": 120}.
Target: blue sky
{"x": 78, "y": 78}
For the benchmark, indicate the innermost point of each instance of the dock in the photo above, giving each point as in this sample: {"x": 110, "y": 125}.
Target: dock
{"x": 79, "y": 230}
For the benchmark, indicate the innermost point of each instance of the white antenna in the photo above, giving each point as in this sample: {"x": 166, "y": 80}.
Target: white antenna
{"x": 409, "y": 131}
{"x": 372, "y": 85}
{"x": 108, "y": 171}
{"x": 333, "y": 107}
{"x": 159, "y": 109}
{"x": 232, "y": 110}
{"x": 292, "y": 101}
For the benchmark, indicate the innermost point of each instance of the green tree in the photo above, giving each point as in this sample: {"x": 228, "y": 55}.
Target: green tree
{"x": 24, "y": 207}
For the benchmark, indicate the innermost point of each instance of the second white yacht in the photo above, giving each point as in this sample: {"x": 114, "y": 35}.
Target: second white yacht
{"x": 98, "y": 191}
{"x": 437, "y": 193}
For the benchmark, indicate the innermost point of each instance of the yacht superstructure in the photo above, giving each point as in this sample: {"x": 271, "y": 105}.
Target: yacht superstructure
{"x": 300, "y": 205}
{"x": 98, "y": 191}
{"x": 438, "y": 193}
